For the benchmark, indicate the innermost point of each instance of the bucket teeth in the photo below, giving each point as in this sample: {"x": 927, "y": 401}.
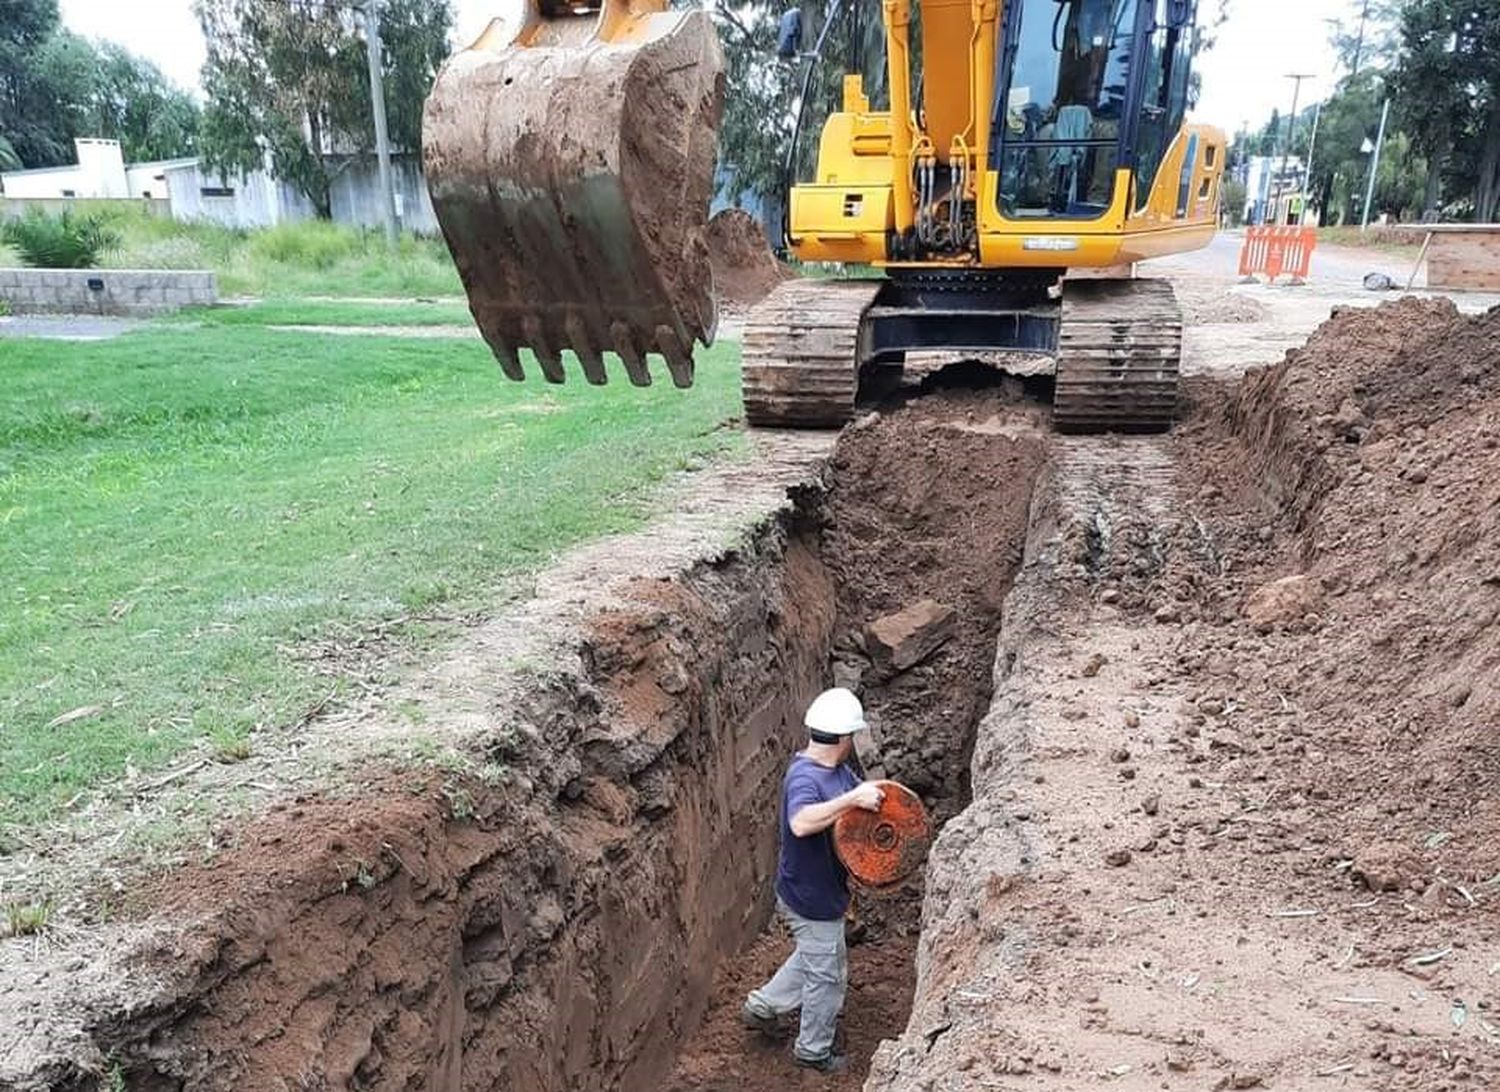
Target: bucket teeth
{"x": 631, "y": 356}
{"x": 571, "y": 171}
{"x": 585, "y": 347}
{"x": 679, "y": 357}
{"x": 547, "y": 356}
{"x": 510, "y": 364}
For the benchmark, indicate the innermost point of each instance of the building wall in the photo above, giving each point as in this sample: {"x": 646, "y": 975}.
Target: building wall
{"x": 150, "y": 179}
{"x": 99, "y": 172}
{"x": 255, "y": 200}
{"x": 356, "y": 198}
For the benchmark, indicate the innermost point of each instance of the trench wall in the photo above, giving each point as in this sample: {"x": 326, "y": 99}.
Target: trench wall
{"x": 558, "y": 931}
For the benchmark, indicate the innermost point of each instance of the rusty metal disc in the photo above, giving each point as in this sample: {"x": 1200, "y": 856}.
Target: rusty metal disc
{"x": 882, "y": 848}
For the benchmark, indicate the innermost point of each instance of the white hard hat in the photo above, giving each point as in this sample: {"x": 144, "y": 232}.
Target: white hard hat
{"x": 836, "y": 712}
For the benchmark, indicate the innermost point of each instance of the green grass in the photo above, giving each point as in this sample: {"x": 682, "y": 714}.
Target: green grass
{"x": 331, "y": 313}
{"x": 183, "y": 510}
{"x": 1405, "y": 240}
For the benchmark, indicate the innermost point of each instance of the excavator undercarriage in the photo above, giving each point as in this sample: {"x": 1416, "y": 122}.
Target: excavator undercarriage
{"x": 813, "y": 346}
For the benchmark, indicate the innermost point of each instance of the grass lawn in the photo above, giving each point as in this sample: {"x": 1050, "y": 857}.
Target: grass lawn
{"x": 180, "y": 507}
{"x": 1404, "y": 240}
{"x": 280, "y": 312}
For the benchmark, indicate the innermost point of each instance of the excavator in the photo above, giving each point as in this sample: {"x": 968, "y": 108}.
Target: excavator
{"x": 1029, "y": 154}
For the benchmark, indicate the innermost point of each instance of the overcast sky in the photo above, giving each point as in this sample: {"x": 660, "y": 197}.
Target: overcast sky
{"x": 1243, "y": 76}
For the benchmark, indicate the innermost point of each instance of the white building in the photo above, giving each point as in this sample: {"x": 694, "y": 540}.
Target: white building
{"x": 255, "y": 199}
{"x": 99, "y": 173}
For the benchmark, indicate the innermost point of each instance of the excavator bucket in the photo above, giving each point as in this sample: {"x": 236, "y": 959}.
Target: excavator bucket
{"x": 570, "y": 158}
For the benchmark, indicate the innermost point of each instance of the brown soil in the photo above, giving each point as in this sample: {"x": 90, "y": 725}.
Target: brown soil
{"x": 724, "y": 1057}
{"x": 1379, "y": 446}
{"x": 948, "y": 524}
{"x": 931, "y": 501}
{"x": 1234, "y": 823}
{"x": 744, "y": 268}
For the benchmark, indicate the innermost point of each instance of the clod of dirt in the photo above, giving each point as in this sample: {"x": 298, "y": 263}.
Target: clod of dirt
{"x": 1386, "y": 866}
{"x": 744, "y": 268}
{"x": 904, "y": 639}
{"x": 1282, "y": 602}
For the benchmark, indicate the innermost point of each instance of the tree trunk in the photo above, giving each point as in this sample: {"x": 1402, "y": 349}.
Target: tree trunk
{"x": 317, "y": 192}
{"x": 1433, "y": 195}
{"x": 1487, "y": 194}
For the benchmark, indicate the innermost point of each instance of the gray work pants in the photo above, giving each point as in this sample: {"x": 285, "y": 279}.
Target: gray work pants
{"x": 814, "y": 978}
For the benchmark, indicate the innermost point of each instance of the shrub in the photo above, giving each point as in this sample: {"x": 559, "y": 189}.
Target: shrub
{"x": 67, "y": 241}
{"x": 311, "y": 244}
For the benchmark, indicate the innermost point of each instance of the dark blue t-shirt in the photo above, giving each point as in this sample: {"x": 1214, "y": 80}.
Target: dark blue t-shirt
{"x": 809, "y": 877}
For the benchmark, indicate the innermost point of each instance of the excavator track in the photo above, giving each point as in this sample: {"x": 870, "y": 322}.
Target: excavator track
{"x": 801, "y": 354}
{"x": 1118, "y": 355}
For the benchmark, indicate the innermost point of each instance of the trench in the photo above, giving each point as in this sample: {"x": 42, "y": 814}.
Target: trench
{"x": 591, "y": 917}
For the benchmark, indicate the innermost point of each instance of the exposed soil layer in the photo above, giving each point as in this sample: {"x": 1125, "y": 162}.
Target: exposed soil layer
{"x": 549, "y": 921}
{"x": 553, "y": 916}
{"x": 1234, "y": 823}
{"x": 928, "y": 500}
{"x": 744, "y": 268}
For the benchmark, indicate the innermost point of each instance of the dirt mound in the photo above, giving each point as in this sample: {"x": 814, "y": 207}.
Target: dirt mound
{"x": 744, "y": 268}
{"x": 1374, "y": 453}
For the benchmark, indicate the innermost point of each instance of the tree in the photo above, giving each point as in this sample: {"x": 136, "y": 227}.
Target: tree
{"x": 29, "y": 117}
{"x": 104, "y": 90}
{"x": 1446, "y": 87}
{"x": 56, "y": 86}
{"x": 288, "y": 77}
{"x": 1371, "y": 39}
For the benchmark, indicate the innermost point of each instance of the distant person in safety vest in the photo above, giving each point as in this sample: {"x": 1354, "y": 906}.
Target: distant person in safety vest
{"x": 812, "y": 887}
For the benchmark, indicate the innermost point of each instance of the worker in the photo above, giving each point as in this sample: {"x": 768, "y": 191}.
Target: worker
{"x": 812, "y": 887}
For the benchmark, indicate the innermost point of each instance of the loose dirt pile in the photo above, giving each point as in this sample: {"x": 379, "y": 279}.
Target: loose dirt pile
{"x": 1234, "y": 821}
{"x": 744, "y": 268}
{"x": 1372, "y": 604}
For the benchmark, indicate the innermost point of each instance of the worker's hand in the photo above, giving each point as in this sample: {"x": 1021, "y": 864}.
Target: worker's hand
{"x": 868, "y": 796}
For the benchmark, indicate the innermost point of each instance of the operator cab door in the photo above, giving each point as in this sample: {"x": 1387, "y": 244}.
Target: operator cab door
{"x": 1066, "y": 118}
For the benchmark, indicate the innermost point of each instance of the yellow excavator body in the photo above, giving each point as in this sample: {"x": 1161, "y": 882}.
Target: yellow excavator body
{"x": 571, "y": 159}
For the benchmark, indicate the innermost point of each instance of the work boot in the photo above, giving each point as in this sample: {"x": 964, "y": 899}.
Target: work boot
{"x": 828, "y": 1063}
{"x": 767, "y": 1023}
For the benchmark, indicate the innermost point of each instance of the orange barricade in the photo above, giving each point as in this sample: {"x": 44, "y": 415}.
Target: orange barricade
{"x": 1273, "y": 249}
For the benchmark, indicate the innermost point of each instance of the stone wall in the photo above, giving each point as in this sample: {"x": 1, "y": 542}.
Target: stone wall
{"x": 105, "y": 291}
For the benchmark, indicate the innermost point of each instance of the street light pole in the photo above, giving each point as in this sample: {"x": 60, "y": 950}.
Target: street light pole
{"x": 1374, "y": 165}
{"x": 382, "y": 135}
{"x": 1312, "y": 145}
{"x": 1291, "y": 127}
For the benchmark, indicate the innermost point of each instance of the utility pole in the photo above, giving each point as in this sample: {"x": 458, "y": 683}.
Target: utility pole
{"x": 1291, "y": 125}
{"x": 1359, "y": 43}
{"x": 377, "y": 104}
{"x": 1312, "y": 145}
{"x": 1374, "y": 166}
